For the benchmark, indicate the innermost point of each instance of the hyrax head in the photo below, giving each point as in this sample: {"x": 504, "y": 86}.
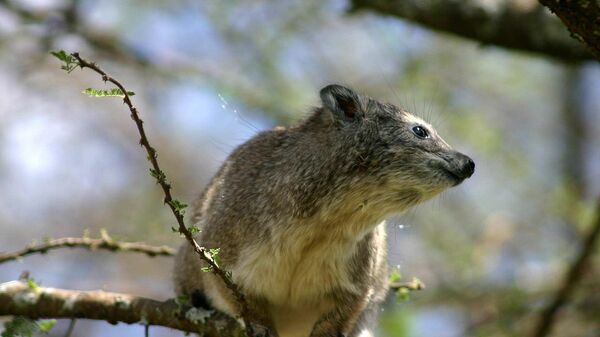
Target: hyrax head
{"x": 397, "y": 152}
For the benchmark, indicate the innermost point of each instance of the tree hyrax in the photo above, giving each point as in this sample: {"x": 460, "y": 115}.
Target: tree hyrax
{"x": 298, "y": 214}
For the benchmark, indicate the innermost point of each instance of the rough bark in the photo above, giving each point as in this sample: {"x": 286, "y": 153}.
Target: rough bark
{"x": 521, "y": 25}
{"x": 20, "y": 299}
{"x": 582, "y": 17}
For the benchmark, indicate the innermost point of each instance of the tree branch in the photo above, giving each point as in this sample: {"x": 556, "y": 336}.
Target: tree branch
{"x": 524, "y": 25}
{"x": 175, "y": 206}
{"x": 19, "y": 299}
{"x": 572, "y": 278}
{"x": 582, "y": 17}
{"x": 105, "y": 242}
{"x": 413, "y": 285}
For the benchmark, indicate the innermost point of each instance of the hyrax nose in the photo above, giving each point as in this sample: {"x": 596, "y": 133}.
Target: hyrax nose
{"x": 466, "y": 166}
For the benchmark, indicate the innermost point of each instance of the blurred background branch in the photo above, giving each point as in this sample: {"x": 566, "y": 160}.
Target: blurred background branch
{"x": 522, "y": 25}
{"x": 571, "y": 280}
{"x": 581, "y": 17}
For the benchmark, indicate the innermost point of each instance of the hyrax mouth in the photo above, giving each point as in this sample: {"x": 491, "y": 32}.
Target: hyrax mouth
{"x": 452, "y": 176}
{"x": 456, "y": 167}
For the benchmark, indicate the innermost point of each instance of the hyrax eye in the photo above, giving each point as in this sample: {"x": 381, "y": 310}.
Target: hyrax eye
{"x": 420, "y": 131}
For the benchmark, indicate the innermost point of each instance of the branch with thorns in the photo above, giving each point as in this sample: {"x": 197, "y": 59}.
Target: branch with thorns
{"x": 74, "y": 60}
{"x": 105, "y": 242}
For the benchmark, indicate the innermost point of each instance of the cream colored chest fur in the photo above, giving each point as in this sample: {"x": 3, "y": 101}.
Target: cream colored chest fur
{"x": 295, "y": 276}
{"x": 301, "y": 264}
{"x": 295, "y": 268}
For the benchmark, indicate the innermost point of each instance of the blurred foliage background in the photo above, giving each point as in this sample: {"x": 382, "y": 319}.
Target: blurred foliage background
{"x": 210, "y": 74}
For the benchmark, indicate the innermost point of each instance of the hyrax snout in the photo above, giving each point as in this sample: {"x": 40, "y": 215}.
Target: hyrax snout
{"x": 459, "y": 166}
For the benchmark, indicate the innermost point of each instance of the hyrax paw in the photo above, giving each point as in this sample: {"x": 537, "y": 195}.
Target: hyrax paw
{"x": 261, "y": 331}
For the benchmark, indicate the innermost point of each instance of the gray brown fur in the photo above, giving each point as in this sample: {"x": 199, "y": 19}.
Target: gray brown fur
{"x": 298, "y": 214}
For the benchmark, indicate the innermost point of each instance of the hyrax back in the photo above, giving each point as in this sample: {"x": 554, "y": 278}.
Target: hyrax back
{"x": 298, "y": 214}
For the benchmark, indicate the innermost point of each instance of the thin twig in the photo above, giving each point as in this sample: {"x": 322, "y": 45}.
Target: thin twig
{"x": 572, "y": 278}
{"x": 413, "y": 285}
{"x": 88, "y": 243}
{"x": 160, "y": 177}
{"x": 71, "y": 327}
{"x": 146, "y": 330}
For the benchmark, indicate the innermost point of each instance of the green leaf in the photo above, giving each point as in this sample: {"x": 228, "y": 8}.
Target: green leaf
{"x": 158, "y": 175}
{"x": 402, "y": 295}
{"x": 46, "y": 325}
{"x": 214, "y": 253}
{"x": 19, "y": 327}
{"x": 25, "y": 327}
{"x": 395, "y": 276}
{"x": 70, "y": 62}
{"x": 32, "y": 284}
{"x": 61, "y": 55}
{"x": 179, "y": 206}
{"x": 194, "y": 229}
{"x": 206, "y": 269}
{"x": 115, "y": 92}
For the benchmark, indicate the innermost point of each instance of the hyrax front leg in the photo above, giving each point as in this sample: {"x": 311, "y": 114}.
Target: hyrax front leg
{"x": 263, "y": 325}
{"x": 340, "y": 321}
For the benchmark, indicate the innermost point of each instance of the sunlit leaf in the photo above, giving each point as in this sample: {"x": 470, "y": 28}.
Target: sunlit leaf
{"x": 115, "y": 92}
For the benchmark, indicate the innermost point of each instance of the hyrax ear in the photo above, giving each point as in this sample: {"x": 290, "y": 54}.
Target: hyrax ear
{"x": 341, "y": 101}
